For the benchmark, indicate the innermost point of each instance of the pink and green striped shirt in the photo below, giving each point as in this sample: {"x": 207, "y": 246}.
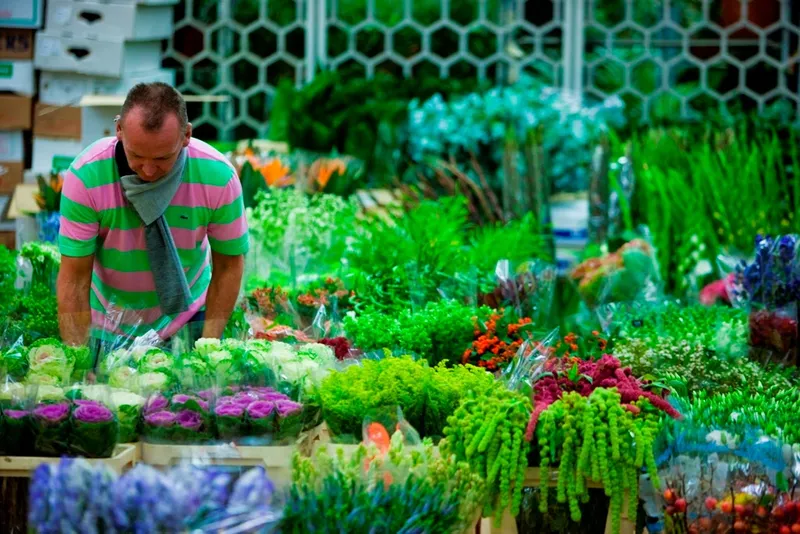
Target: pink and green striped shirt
{"x": 96, "y": 218}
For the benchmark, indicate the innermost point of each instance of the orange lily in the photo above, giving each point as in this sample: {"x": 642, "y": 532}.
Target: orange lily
{"x": 275, "y": 173}
{"x": 327, "y": 169}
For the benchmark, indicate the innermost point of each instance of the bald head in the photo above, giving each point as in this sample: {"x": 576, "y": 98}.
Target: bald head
{"x": 156, "y": 102}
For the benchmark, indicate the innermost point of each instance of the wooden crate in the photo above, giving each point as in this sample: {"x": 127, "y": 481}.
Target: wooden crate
{"x": 276, "y": 460}
{"x": 124, "y": 458}
{"x": 532, "y": 480}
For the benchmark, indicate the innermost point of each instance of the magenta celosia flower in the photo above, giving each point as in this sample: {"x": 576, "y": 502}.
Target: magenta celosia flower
{"x": 162, "y": 418}
{"x": 229, "y": 409}
{"x": 260, "y": 409}
{"x": 93, "y": 413}
{"x": 189, "y": 420}
{"x": 53, "y": 413}
{"x": 286, "y": 408}
{"x": 156, "y": 403}
{"x": 16, "y": 414}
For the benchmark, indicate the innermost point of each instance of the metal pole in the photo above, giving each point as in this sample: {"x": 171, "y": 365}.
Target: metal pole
{"x": 311, "y": 27}
{"x": 573, "y": 44}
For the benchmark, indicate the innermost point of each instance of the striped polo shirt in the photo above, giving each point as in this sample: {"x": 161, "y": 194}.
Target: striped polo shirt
{"x": 207, "y": 212}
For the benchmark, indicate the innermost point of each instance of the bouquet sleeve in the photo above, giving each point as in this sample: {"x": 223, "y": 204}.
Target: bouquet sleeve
{"x": 15, "y": 419}
{"x": 51, "y": 428}
{"x": 95, "y": 429}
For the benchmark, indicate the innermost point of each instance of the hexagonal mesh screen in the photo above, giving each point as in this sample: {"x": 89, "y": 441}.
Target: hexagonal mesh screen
{"x": 665, "y": 58}
{"x": 243, "y": 48}
{"x": 683, "y": 57}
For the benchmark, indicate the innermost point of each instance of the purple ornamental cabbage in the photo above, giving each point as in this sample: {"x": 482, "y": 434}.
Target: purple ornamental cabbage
{"x": 93, "y": 413}
{"x": 52, "y": 413}
{"x": 163, "y": 418}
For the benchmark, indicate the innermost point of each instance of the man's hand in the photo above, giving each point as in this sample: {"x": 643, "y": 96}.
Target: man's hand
{"x": 74, "y": 313}
{"x": 226, "y": 280}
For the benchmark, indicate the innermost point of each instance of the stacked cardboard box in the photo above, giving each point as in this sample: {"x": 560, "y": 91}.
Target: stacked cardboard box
{"x": 18, "y": 21}
{"x": 99, "y": 47}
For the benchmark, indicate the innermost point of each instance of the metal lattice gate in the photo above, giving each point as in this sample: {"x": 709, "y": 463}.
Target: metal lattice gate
{"x": 665, "y": 58}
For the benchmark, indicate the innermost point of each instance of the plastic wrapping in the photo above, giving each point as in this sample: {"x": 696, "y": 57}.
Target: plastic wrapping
{"x": 16, "y": 404}
{"x": 186, "y": 498}
{"x": 629, "y": 274}
{"x": 427, "y": 493}
{"x": 769, "y": 288}
{"x": 726, "y": 490}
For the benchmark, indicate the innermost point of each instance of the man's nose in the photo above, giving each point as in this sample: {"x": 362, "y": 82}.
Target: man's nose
{"x": 149, "y": 170}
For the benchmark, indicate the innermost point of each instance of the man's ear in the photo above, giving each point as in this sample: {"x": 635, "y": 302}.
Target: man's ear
{"x": 119, "y": 130}
{"x": 188, "y": 134}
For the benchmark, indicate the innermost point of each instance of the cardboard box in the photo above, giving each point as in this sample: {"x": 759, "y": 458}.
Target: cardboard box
{"x": 10, "y": 176}
{"x": 67, "y": 89}
{"x": 21, "y": 13}
{"x": 127, "y": 22}
{"x": 135, "y": 2}
{"x": 16, "y": 76}
{"x": 46, "y": 148}
{"x": 93, "y": 56}
{"x": 12, "y": 146}
{"x": 63, "y": 122}
{"x": 8, "y": 239}
{"x": 98, "y": 122}
{"x": 16, "y": 43}
{"x": 17, "y": 112}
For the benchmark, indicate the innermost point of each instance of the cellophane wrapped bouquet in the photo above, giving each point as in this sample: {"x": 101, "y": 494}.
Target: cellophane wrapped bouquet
{"x": 386, "y": 485}
{"x": 769, "y": 288}
{"x": 629, "y": 274}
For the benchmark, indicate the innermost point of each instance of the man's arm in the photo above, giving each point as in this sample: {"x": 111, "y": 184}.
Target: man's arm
{"x": 73, "y": 286}
{"x": 223, "y": 291}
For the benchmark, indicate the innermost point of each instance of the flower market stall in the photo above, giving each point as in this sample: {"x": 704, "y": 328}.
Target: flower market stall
{"x": 438, "y": 362}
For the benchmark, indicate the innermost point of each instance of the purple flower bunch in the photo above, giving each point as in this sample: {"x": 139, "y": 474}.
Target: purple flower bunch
{"x": 79, "y": 428}
{"x": 772, "y": 279}
{"x": 182, "y": 418}
{"x": 257, "y": 412}
{"x": 74, "y": 496}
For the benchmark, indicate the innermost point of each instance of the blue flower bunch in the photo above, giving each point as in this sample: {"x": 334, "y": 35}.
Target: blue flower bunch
{"x": 772, "y": 279}
{"x": 76, "y": 497}
{"x": 479, "y": 123}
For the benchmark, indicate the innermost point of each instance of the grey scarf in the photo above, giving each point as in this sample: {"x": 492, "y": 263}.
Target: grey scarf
{"x": 150, "y": 200}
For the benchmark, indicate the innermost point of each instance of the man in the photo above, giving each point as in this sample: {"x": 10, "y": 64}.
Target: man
{"x": 153, "y": 229}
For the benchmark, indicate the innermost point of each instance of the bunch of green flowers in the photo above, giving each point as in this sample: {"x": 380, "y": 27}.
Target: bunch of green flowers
{"x": 595, "y": 438}
{"x": 769, "y": 410}
{"x": 398, "y": 490}
{"x": 441, "y": 331}
{"x": 721, "y": 329}
{"x": 690, "y": 367}
{"x": 427, "y": 396}
{"x": 488, "y": 432}
{"x": 292, "y": 229}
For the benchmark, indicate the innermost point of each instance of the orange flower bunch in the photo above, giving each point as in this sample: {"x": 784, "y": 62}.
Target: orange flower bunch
{"x": 497, "y": 341}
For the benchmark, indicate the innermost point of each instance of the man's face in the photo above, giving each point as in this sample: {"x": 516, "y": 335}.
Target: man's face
{"x": 151, "y": 155}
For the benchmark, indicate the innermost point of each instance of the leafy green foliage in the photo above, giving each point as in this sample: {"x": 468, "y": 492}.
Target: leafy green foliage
{"x": 717, "y": 188}
{"x": 404, "y": 490}
{"x": 689, "y": 368}
{"x": 486, "y": 430}
{"x": 426, "y": 395}
{"x": 440, "y": 332}
{"x": 353, "y": 115}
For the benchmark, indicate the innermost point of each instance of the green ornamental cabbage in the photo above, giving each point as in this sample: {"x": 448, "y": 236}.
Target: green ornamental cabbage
{"x": 48, "y": 356}
{"x": 205, "y": 346}
{"x": 156, "y": 360}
